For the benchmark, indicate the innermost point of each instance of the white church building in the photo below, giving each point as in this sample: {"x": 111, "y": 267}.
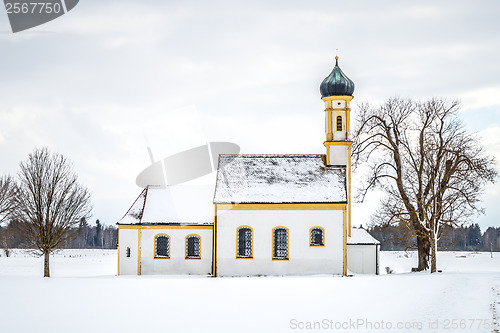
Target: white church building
{"x": 266, "y": 215}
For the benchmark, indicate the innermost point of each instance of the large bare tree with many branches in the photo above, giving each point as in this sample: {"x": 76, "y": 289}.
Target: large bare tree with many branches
{"x": 50, "y": 202}
{"x": 431, "y": 169}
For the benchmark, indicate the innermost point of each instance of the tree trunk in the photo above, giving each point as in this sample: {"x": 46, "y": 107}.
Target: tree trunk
{"x": 423, "y": 252}
{"x": 433, "y": 251}
{"x": 46, "y": 271}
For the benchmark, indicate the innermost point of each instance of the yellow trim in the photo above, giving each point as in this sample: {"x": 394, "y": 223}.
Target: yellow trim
{"x": 135, "y": 226}
{"x": 237, "y": 241}
{"x": 348, "y": 123}
{"x": 312, "y": 206}
{"x": 119, "y": 250}
{"x": 329, "y": 135}
{"x": 186, "y": 247}
{"x": 154, "y": 253}
{"x": 287, "y": 244}
{"x": 139, "y": 233}
{"x": 337, "y": 143}
{"x": 342, "y": 98}
{"x": 323, "y": 236}
{"x": 344, "y": 233}
{"x": 214, "y": 244}
{"x": 349, "y": 202}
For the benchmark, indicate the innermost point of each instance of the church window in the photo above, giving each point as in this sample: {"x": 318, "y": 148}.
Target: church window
{"x": 339, "y": 123}
{"x": 244, "y": 242}
{"x": 162, "y": 246}
{"x": 280, "y": 243}
{"x": 128, "y": 252}
{"x": 317, "y": 238}
{"x": 193, "y": 247}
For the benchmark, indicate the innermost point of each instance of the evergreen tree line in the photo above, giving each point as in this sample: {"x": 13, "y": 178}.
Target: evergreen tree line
{"x": 85, "y": 236}
{"x": 400, "y": 237}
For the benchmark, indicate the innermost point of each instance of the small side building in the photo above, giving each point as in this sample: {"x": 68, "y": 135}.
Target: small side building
{"x": 363, "y": 252}
{"x": 165, "y": 232}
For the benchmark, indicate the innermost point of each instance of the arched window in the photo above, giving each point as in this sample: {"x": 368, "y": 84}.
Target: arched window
{"x": 280, "y": 243}
{"x": 193, "y": 245}
{"x": 317, "y": 238}
{"x": 244, "y": 242}
{"x": 339, "y": 123}
{"x": 162, "y": 246}
{"x": 128, "y": 251}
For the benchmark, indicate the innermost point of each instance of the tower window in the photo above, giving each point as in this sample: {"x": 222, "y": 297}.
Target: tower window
{"x": 244, "y": 235}
{"x": 162, "y": 246}
{"x": 128, "y": 252}
{"x": 317, "y": 237}
{"x": 280, "y": 243}
{"x": 339, "y": 123}
{"x": 193, "y": 247}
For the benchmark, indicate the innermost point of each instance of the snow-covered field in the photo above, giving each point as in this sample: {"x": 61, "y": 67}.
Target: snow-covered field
{"x": 84, "y": 295}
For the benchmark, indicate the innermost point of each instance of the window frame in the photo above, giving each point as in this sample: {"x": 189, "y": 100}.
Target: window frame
{"x": 322, "y": 236}
{"x": 287, "y": 243}
{"x": 238, "y": 241}
{"x": 339, "y": 124}
{"x": 186, "y": 247}
{"x": 155, "y": 256}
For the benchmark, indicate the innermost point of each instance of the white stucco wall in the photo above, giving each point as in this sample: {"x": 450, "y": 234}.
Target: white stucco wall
{"x": 339, "y": 154}
{"x": 127, "y": 238}
{"x": 177, "y": 263}
{"x": 303, "y": 258}
{"x": 362, "y": 259}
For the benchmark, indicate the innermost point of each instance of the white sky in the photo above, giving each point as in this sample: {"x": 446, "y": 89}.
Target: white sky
{"x": 110, "y": 77}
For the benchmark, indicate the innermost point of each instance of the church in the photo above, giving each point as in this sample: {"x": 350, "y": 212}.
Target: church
{"x": 266, "y": 215}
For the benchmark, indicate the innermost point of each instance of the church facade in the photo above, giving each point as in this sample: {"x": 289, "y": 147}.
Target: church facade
{"x": 271, "y": 215}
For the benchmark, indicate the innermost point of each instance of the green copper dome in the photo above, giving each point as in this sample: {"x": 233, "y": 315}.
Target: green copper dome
{"x": 337, "y": 83}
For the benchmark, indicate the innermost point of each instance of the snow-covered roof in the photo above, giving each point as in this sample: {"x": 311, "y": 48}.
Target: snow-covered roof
{"x": 361, "y": 236}
{"x": 184, "y": 204}
{"x": 278, "y": 179}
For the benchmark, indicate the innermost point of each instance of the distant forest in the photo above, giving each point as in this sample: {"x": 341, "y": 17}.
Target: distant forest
{"x": 85, "y": 236}
{"x": 392, "y": 237}
{"x": 470, "y": 238}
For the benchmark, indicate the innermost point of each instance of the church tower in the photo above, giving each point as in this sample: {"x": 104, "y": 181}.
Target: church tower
{"x": 336, "y": 91}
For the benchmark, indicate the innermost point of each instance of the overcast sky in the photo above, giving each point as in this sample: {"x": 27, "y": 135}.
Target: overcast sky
{"x": 109, "y": 78}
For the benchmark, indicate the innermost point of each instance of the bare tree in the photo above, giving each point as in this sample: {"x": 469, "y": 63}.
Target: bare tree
{"x": 8, "y": 191}
{"x": 431, "y": 169}
{"x": 50, "y": 202}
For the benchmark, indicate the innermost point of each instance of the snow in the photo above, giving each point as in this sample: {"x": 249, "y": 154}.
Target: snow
{"x": 172, "y": 204}
{"x": 84, "y": 295}
{"x": 361, "y": 236}
{"x": 278, "y": 179}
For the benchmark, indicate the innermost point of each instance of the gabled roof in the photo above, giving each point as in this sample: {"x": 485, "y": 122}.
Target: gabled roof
{"x": 178, "y": 204}
{"x": 279, "y": 179}
{"x": 361, "y": 237}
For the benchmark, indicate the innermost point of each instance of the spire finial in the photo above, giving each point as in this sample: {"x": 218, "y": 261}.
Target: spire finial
{"x": 336, "y": 60}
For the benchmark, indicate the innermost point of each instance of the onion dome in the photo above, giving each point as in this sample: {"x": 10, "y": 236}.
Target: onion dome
{"x": 337, "y": 83}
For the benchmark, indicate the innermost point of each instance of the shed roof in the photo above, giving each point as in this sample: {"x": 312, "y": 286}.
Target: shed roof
{"x": 279, "y": 179}
{"x": 361, "y": 237}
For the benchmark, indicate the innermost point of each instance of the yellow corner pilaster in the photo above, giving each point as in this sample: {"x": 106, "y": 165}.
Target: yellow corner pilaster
{"x": 329, "y": 135}
{"x": 214, "y": 244}
{"x": 118, "y": 250}
{"x": 139, "y": 252}
{"x": 349, "y": 201}
{"x": 345, "y": 244}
